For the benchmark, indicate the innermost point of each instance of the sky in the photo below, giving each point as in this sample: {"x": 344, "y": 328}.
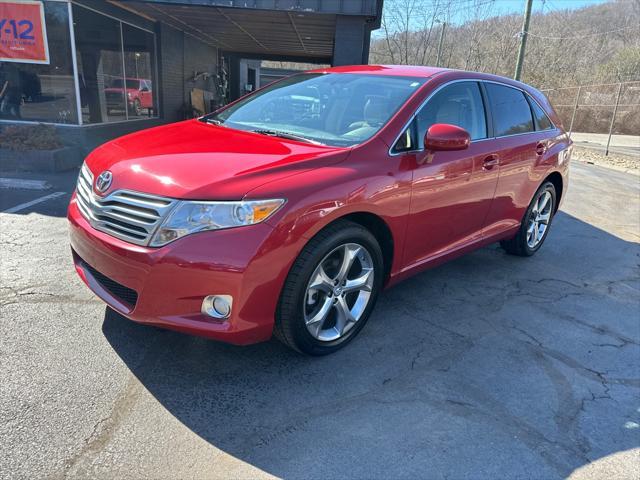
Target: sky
{"x": 511, "y": 6}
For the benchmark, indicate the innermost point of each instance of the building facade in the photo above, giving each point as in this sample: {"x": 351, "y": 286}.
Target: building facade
{"x": 117, "y": 66}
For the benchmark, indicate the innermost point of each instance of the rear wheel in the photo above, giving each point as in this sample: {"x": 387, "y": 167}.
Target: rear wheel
{"x": 535, "y": 223}
{"x": 330, "y": 290}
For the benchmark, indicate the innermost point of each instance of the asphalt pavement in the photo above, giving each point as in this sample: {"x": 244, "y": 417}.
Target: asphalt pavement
{"x": 491, "y": 366}
{"x": 621, "y": 144}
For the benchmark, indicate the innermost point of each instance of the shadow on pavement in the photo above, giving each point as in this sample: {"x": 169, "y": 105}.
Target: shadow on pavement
{"x": 56, "y": 191}
{"x": 486, "y": 365}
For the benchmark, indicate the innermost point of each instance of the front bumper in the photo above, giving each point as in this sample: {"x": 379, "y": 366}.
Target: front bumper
{"x": 165, "y": 286}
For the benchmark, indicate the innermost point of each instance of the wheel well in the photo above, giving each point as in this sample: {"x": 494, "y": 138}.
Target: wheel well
{"x": 556, "y": 179}
{"x": 378, "y": 227}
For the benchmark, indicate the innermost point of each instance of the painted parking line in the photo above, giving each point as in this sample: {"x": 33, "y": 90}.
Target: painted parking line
{"x": 22, "y": 206}
{"x": 24, "y": 184}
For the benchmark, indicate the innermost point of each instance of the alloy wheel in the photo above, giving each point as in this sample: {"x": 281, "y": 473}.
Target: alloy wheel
{"x": 338, "y": 292}
{"x": 539, "y": 219}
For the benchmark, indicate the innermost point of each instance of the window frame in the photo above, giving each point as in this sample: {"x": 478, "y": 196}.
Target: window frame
{"x": 488, "y": 114}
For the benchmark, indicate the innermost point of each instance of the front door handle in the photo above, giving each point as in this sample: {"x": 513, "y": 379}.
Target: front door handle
{"x": 489, "y": 162}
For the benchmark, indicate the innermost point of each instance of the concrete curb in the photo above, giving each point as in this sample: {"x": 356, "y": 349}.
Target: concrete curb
{"x": 45, "y": 161}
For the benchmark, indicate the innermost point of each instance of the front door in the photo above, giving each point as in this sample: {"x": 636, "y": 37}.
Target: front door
{"x": 452, "y": 190}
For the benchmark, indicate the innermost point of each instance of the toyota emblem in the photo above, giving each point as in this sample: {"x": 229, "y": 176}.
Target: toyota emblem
{"x": 104, "y": 181}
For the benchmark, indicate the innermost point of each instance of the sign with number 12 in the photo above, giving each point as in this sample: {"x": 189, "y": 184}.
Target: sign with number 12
{"x": 23, "y": 34}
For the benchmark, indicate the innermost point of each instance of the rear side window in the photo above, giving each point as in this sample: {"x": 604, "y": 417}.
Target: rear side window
{"x": 511, "y": 111}
{"x": 541, "y": 120}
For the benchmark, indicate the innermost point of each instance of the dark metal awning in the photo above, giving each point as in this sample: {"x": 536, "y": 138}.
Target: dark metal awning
{"x": 278, "y": 28}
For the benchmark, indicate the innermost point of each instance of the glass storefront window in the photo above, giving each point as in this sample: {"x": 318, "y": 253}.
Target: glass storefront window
{"x": 139, "y": 50}
{"x": 115, "y": 72}
{"x": 99, "y": 56}
{"x": 43, "y": 93}
{"x": 115, "y": 68}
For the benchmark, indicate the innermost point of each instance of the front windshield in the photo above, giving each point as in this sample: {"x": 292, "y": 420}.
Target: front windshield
{"x": 135, "y": 84}
{"x": 337, "y": 109}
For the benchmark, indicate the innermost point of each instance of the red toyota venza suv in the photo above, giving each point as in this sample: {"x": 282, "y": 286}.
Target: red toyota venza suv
{"x": 289, "y": 210}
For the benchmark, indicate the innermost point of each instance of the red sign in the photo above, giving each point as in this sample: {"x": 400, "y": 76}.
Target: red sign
{"x": 23, "y": 34}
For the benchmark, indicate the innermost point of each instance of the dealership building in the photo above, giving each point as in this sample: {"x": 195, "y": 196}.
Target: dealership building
{"x": 99, "y": 69}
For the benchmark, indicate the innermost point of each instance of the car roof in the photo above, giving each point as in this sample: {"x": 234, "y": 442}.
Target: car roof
{"x": 425, "y": 72}
{"x": 396, "y": 70}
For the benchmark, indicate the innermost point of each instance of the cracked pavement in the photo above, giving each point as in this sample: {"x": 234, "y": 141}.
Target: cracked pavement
{"x": 488, "y": 367}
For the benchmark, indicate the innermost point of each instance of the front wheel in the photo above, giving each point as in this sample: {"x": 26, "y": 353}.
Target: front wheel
{"x": 535, "y": 223}
{"x": 136, "y": 108}
{"x": 330, "y": 290}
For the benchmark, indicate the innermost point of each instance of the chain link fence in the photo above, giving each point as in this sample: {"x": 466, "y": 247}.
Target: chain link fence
{"x": 609, "y": 108}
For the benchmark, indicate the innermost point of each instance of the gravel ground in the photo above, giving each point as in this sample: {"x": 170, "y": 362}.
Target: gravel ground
{"x": 616, "y": 161}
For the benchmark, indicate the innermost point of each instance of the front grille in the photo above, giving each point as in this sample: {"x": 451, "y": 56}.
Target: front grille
{"x": 114, "y": 98}
{"x": 127, "y": 215}
{"x": 124, "y": 294}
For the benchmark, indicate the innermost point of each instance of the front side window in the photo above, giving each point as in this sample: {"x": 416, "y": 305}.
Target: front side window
{"x": 338, "y": 109}
{"x": 457, "y": 104}
{"x": 511, "y": 111}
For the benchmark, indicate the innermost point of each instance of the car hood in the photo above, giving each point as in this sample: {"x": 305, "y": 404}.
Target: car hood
{"x": 197, "y": 160}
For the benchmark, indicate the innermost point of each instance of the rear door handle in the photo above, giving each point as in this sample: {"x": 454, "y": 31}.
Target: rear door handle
{"x": 489, "y": 162}
{"x": 541, "y": 148}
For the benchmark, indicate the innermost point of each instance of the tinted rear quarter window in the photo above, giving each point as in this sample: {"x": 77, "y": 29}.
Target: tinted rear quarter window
{"x": 541, "y": 119}
{"x": 511, "y": 111}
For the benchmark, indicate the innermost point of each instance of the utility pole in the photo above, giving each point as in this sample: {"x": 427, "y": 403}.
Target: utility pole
{"x": 444, "y": 24}
{"x": 523, "y": 39}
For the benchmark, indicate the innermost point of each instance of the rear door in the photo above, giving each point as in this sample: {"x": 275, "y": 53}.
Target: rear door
{"x": 520, "y": 149}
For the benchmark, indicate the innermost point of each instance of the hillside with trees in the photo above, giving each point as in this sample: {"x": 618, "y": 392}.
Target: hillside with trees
{"x": 595, "y": 44}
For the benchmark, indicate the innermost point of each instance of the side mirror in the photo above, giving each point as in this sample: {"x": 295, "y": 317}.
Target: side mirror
{"x": 144, "y": 89}
{"x": 443, "y": 136}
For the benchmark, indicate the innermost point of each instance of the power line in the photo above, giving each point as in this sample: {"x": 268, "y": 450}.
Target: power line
{"x": 579, "y": 36}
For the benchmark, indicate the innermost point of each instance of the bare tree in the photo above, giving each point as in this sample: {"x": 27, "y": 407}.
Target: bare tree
{"x": 566, "y": 47}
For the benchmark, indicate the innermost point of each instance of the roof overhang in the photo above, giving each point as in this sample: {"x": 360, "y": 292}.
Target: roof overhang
{"x": 304, "y": 29}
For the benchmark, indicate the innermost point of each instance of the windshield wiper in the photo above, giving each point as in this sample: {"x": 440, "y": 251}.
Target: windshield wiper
{"x": 290, "y": 136}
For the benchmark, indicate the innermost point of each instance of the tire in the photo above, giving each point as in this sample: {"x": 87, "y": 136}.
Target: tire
{"x": 521, "y": 244}
{"x": 300, "y": 303}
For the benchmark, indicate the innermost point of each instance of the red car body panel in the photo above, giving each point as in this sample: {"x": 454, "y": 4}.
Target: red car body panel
{"x": 199, "y": 161}
{"x": 432, "y": 211}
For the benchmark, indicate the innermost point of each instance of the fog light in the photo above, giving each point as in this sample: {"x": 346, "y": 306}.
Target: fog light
{"x": 217, "y": 306}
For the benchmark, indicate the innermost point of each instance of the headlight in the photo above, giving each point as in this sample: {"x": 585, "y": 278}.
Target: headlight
{"x": 191, "y": 217}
